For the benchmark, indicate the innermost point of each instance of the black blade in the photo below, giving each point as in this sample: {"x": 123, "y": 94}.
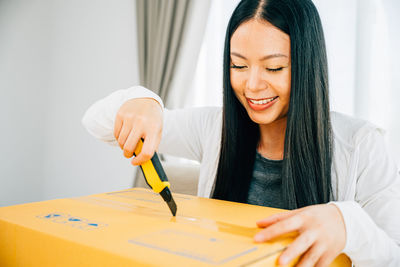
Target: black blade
{"x": 172, "y": 206}
{"x": 167, "y": 196}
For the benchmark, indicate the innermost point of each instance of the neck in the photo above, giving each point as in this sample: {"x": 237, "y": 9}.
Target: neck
{"x": 272, "y": 139}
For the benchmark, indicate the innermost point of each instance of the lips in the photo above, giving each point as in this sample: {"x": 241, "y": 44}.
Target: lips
{"x": 262, "y": 101}
{"x": 261, "y": 104}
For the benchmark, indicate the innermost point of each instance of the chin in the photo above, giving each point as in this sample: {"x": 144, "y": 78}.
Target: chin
{"x": 267, "y": 116}
{"x": 261, "y": 118}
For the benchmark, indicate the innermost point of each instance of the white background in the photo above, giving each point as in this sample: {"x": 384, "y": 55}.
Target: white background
{"x": 57, "y": 58}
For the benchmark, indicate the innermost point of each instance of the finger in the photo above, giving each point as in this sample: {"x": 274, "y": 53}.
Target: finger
{"x": 325, "y": 260}
{"x": 124, "y": 133}
{"x": 131, "y": 143}
{"x": 300, "y": 245}
{"x": 117, "y": 127}
{"x": 282, "y": 227}
{"x": 157, "y": 140}
{"x": 274, "y": 218}
{"x": 147, "y": 152}
{"x": 311, "y": 257}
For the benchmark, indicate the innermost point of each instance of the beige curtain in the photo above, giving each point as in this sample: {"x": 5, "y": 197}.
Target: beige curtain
{"x": 161, "y": 25}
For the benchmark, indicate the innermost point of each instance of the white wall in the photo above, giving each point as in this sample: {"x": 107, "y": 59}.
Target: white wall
{"x": 23, "y": 66}
{"x": 56, "y": 58}
{"x": 339, "y": 24}
{"x": 392, "y": 9}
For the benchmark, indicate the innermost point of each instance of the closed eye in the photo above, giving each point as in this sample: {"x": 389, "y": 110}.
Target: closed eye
{"x": 274, "y": 70}
{"x": 237, "y": 67}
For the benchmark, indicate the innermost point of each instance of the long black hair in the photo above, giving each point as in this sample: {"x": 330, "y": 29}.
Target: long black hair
{"x": 306, "y": 169}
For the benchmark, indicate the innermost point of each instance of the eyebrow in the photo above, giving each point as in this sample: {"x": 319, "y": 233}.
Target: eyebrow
{"x": 263, "y": 58}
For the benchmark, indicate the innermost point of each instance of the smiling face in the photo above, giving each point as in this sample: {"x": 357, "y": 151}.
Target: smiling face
{"x": 260, "y": 70}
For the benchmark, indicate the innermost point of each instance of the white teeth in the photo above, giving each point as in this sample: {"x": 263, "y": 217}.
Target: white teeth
{"x": 262, "y": 102}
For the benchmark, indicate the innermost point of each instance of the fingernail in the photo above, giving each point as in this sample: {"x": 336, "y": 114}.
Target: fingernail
{"x": 283, "y": 260}
{"x": 259, "y": 238}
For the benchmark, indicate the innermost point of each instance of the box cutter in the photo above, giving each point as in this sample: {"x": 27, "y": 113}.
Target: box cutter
{"x": 156, "y": 178}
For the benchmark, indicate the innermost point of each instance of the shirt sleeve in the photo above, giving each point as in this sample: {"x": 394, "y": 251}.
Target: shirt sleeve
{"x": 183, "y": 132}
{"x": 100, "y": 117}
{"x": 373, "y": 220}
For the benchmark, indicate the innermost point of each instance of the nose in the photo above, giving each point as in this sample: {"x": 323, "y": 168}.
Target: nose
{"x": 255, "y": 80}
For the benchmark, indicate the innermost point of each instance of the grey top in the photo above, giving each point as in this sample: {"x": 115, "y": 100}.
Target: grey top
{"x": 265, "y": 186}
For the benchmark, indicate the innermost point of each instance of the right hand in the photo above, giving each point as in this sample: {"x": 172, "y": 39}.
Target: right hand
{"x": 139, "y": 118}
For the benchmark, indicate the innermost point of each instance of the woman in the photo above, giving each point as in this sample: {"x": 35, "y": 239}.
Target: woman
{"x": 275, "y": 143}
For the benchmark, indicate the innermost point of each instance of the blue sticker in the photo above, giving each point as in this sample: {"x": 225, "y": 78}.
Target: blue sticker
{"x": 72, "y": 221}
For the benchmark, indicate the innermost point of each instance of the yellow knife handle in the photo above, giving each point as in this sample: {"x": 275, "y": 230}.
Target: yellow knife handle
{"x": 152, "y": 171}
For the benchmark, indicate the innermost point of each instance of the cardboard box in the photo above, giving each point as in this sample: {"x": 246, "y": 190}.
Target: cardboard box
{"x": 135, "y": 228}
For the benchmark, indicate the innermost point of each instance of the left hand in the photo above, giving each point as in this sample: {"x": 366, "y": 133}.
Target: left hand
{"x": 322, "y": 234}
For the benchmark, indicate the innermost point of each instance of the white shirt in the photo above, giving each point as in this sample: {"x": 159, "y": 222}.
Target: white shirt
{"x": 365, "y": 179}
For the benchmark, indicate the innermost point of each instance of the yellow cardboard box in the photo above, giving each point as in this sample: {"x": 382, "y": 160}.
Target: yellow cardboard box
{"x": 135, "y": 228}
